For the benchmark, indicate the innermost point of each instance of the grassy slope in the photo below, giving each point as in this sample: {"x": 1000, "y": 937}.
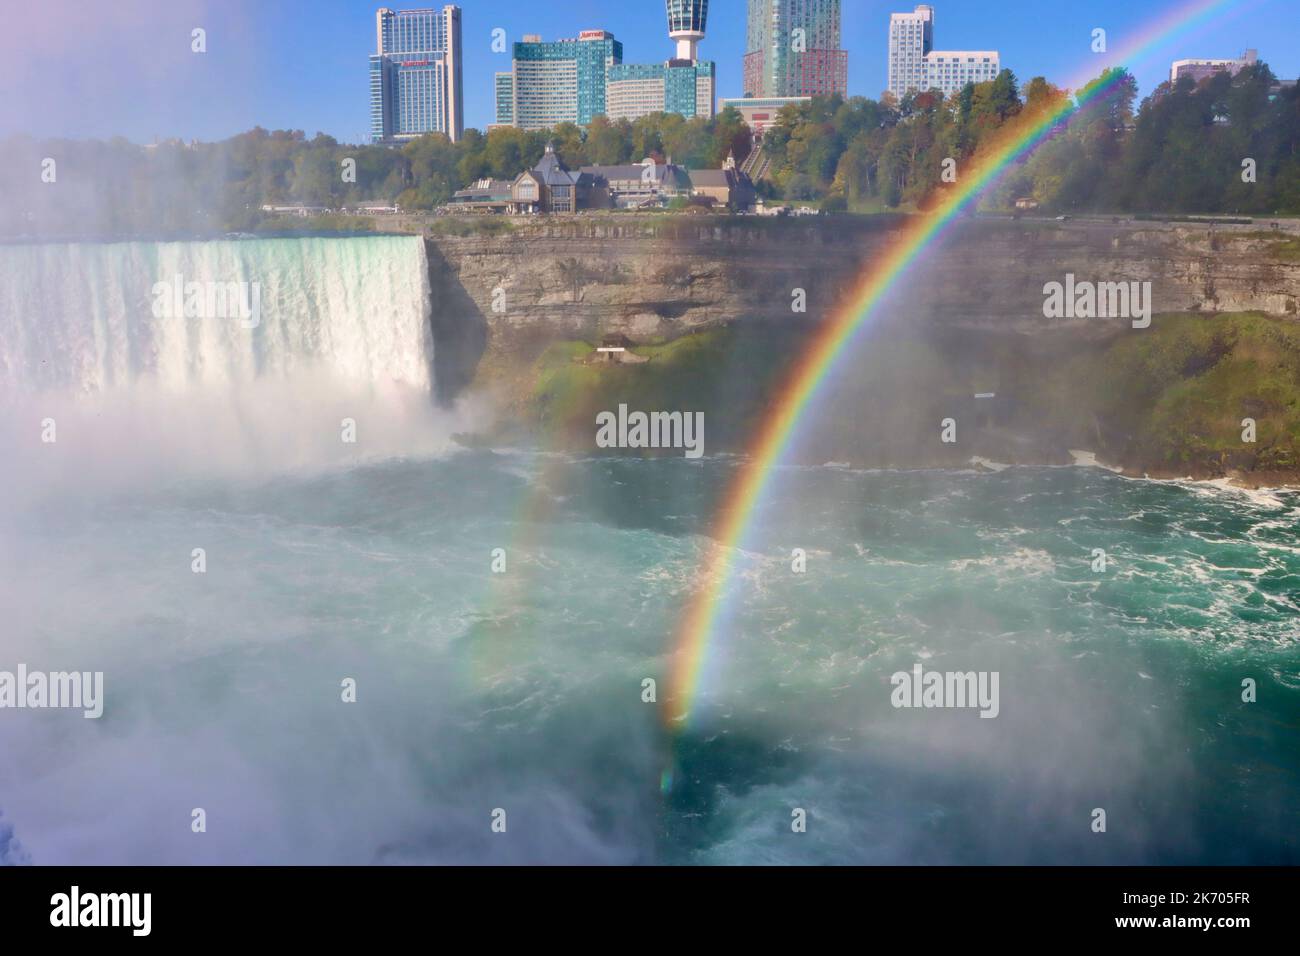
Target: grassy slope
{"x": 1169, "y": 399}
{"x": 723, "y": 372}
{"x": 1288, "y": 250}
{"x": 1177, "y": 396}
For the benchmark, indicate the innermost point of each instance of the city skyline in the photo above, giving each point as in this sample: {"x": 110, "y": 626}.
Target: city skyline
{"x": 150, "y": 85}
{"x": 575, "y": 79}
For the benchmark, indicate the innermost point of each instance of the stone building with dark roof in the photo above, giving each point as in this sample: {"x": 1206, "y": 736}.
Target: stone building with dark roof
{"x": 636, "y": 185}
{"x": 549, "y": 188}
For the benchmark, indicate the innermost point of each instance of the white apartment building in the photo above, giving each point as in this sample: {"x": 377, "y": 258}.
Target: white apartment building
{"x": 1200, "y": 69}
{"x": 915, "y": 66}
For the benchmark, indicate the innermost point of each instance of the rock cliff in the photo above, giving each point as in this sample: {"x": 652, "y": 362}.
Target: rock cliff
{"x": 516, "y": 315}
{"x": 657, "y": 279}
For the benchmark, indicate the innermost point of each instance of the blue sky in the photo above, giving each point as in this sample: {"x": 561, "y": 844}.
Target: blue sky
{"x": 89, "y": 68}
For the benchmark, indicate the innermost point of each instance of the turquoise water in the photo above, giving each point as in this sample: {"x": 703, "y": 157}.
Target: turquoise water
{"x": 521, "y": 690}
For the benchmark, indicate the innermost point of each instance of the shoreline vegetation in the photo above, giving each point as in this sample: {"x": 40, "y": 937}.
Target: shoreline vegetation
{"x": 1182, "y": 401}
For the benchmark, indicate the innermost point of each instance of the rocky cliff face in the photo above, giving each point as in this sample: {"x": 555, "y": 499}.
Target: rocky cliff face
{"x": 967, "y": 318}
{"x": 658, "y": 279}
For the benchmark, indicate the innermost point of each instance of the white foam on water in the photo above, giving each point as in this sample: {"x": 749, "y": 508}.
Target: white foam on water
{"x": 1088, "y": 459}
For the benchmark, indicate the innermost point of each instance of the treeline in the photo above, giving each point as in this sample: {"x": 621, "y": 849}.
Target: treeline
{"x": 117, "y": 188}
{"x": 1182, "y": 151}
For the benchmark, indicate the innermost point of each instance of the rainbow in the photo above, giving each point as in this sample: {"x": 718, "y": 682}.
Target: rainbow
{"x": 698, "y": 627}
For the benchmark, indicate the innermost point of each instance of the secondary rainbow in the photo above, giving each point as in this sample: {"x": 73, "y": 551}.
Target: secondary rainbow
{"x": 698, "y": 626}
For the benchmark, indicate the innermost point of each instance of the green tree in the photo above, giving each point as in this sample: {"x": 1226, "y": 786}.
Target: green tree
{"x": 609, "y": 143}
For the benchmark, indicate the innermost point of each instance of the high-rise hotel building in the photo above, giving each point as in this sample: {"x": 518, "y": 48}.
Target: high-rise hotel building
{"x": 415, "y": 75}
{"x": 915, "y": 66}
{"x": 562, "y": 81}
{"x": 678, "y": 86}
{"x": 793, "y": 49}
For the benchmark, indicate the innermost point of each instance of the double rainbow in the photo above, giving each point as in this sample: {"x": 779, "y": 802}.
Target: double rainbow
{"x": 700, "y": 624}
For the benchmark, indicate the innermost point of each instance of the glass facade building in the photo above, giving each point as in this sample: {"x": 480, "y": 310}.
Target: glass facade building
{"x": 561, "y": 81}
{"x": 577, "y": 80}
{"x": 793, "y": 49}
{"x": 505, "y": 97}
{"x": 415, "y": 75}
{"x": 635, "y": 89}
{"x": 688, "y": 88}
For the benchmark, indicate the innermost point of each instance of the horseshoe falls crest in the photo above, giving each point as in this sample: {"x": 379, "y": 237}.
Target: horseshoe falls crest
{"x": 217, "y": 356}
{"x": 181, "y": 510}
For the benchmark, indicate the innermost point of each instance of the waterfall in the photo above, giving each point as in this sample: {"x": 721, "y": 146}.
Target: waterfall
{"x": 148, "y": 358}
{"x": 84, "y": 318}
